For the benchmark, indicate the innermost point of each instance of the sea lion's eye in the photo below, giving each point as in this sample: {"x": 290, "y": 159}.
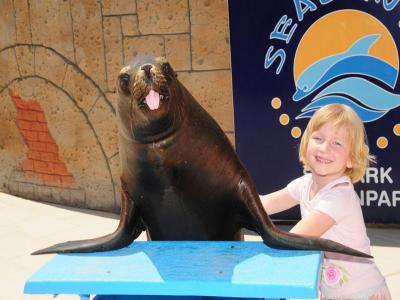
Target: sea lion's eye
{"x": 166, "y": 68}
{"x": 124, "y": 80}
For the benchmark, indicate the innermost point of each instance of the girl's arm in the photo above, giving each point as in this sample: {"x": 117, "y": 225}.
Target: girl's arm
{"x": 315, "y": 224}
{"x": 277, "y": 201}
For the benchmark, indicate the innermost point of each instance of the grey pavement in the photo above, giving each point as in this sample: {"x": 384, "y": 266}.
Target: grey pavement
{"x": 26, "y": 226}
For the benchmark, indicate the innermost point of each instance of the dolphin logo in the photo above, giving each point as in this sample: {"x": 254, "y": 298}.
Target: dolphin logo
{"x": 332, "y": 66}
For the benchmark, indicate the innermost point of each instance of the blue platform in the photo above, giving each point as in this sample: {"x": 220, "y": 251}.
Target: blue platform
{"x": 221, "y": 269}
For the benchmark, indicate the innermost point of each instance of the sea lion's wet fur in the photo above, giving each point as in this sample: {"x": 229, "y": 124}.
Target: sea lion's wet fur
{"x": 181, "y": 178}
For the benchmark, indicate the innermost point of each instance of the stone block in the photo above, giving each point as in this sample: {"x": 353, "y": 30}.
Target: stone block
{"x": 117, "y": 189}
{"x": 8, "y": 62}
{"x": 26, "y": 60}
{"x": 112, "y": 97}
{"x": 130, "y": 25}
{"x": 44, "y": 193}
{"x": 50, "y": 65}
{"x": 113, "y": 49}
{"x": 18, "y": 176}
{"x": 101, "y": 197}
{"x": 33, "y": 178}
{"x": 56, "y": 195}
{"x": 120, "y": 7}
{"x": 51, "y": 26}
{"x": 163, "y": 16}
{"x": 7, "y": 24}
{"x": 152, "y": 45}
{"x": 115, "y": 166}
{"x": 214, "y": 92}
{"x": 22, "y": 24}
{"x": 65, "y": 198}
{"x": 177, "y": 51}
{"x": 13, "y": 187}
{"x": 210, "y": 35}
{"x": 82, "y": 90}
{"x": 27, "y": 191}
{"x": 104, "y": 123}
{"x": 76, "y": 197}
{"x": 24, "y": 87}
{"x": 88, "y": 39}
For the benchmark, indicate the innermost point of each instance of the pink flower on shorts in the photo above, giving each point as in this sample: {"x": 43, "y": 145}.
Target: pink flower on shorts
{"x": 332, "y": 275}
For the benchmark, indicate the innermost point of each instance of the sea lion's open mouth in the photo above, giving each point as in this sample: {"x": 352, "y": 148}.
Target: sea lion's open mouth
{"x": 153, "y": 100}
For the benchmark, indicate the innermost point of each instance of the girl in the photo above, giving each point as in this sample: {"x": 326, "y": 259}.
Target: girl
{"x": 334, "y": 152}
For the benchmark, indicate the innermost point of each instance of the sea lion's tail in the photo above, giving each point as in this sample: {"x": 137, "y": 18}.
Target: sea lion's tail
{"x": 286, "y": 240}
{"x": 129, "y": 228}
{"x": 112, "y": 241}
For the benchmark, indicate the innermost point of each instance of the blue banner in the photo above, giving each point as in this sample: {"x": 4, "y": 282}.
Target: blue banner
{"x": 291, "y": 57}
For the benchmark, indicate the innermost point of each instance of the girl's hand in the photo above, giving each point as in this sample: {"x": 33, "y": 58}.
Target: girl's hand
{"x": 277, "y": 201}
{"x": 315, "y": 224}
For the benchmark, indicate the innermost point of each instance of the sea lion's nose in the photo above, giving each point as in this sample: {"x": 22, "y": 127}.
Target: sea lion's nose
{"x": 146, "y": 68}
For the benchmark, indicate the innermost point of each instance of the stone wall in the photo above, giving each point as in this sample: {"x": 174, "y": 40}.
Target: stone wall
{"x": 59, "y": 60}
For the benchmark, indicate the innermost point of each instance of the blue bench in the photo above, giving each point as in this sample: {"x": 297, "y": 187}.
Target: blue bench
{"x": 176, "y": 269}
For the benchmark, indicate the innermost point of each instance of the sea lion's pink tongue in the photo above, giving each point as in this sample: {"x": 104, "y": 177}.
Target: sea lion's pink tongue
{"x": 153, "y": 100}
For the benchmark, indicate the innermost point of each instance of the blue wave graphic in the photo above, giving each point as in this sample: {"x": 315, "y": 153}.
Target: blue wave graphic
{"x": 369, "y": 100}
{"x": 366, "y": 92}
{"x": 365, "y": 114}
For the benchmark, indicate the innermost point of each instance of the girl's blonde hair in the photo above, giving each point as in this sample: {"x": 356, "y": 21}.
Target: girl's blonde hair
{"x": 342, "y": 116}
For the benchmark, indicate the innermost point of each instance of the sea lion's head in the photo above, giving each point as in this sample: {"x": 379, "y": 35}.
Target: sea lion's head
{"x": 149, "y": 103}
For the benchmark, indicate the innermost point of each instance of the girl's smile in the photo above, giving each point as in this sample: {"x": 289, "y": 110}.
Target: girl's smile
{"x": 322, "y": 160}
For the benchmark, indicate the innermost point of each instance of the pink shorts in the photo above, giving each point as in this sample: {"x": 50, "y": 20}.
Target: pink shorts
{"x": 380, "y": 292}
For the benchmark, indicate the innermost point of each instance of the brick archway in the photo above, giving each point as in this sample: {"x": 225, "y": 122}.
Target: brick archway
{"x": 43, "y": 86}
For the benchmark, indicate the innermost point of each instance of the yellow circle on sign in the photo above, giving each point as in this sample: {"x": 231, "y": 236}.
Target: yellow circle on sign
{"x": 276, "y": 103}
{"x": 296, "y": 132}
{"x": 336, "y": 32}
{"x": 284, "y": 119}
{"x": 382, "y": 142}
{"x": 396, "y": 129}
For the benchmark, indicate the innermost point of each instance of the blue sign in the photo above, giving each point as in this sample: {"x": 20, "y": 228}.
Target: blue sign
{"x": 291, "y": 57}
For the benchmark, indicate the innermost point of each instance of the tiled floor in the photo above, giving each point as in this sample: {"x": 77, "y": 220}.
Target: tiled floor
{"x": 26, "y": 226}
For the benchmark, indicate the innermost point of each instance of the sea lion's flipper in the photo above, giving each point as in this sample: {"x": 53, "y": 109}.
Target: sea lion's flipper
{"x": 273, "y": 237}
{"x": 129, "y": 228}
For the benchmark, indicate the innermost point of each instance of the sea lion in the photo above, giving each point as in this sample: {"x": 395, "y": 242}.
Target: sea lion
{"x": 181, "y": 178}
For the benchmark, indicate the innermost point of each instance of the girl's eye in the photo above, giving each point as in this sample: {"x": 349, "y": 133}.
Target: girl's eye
{"x": 317, "y": 138}
{"x": 337, "y": 143}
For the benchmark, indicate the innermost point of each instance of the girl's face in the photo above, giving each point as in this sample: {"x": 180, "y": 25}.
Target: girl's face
{"x": 328, "y": 152}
